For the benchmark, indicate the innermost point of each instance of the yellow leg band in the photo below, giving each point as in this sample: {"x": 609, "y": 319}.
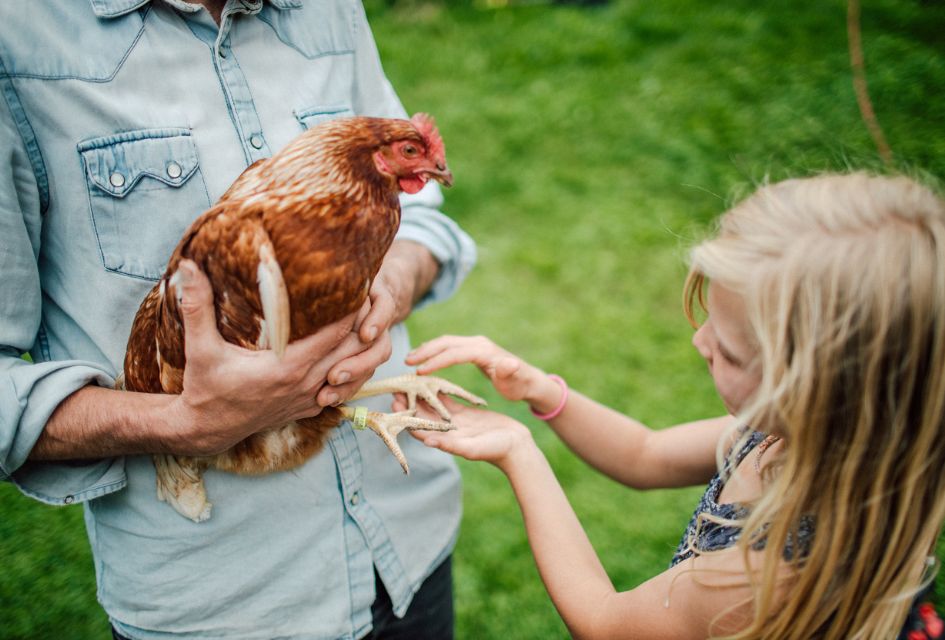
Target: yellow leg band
{"x": 360, "y": 418}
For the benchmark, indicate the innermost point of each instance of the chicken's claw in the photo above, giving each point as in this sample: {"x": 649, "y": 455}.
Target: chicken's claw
{"x": 388, "y": 425}
{"x": 427, "y": 388}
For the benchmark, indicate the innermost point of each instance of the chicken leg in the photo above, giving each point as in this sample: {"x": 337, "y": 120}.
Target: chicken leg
{"x": 180, "y": 479}
{"x": 388, "y": 425}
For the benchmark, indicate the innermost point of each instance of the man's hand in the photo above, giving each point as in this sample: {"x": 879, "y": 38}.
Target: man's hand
{"x": 231, "y": 392}
{"x": 405, "y": 276}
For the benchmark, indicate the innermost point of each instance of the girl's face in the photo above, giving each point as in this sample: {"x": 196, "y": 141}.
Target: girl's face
{"x": 725, "y": 343}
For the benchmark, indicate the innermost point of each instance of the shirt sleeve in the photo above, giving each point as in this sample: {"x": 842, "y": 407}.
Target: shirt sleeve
{"x": 421, "y": 219}
{"x": 30, "y": 392}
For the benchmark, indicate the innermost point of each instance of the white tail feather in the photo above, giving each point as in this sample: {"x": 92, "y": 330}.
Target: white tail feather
{"x": 181, "y": 485}
{"x": 275, "y": 300}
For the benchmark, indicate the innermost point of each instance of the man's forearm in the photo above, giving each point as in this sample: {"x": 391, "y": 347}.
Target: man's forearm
{"x": 95, "y": 422}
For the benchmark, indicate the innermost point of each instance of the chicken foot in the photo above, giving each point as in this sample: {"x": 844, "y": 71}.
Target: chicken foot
{"x": 427, "y": 388}
{"x": 388, "y": 425}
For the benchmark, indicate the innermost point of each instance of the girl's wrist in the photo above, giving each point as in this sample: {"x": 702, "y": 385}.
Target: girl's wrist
{"x": 520, "y": 455}
{"x": 549, "y": 398}
{"x": 521, "y": 460}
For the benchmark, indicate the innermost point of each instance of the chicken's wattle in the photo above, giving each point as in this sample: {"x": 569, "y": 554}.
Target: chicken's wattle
{"x": 413, "y": 184}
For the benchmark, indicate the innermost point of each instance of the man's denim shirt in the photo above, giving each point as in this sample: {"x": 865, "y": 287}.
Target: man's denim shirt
{"x": 121, "y": 121}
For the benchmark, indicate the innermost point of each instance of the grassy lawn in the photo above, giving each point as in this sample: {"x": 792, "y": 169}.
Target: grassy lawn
{"x": 590, "y": 146}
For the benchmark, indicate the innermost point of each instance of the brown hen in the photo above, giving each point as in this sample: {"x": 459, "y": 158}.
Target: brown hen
{"x": 292, "y": 246}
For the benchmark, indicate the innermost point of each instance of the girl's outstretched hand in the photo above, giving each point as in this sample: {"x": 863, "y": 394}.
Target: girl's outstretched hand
{"x": 510, "y": 375}
{"x": 479, "y": 434}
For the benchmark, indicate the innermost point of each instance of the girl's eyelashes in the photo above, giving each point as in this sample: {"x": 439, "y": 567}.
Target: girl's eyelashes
{"x": 728, "y": 357}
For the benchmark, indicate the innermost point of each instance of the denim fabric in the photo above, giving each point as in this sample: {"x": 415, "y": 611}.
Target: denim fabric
{"x": 430, "y": 616}
{"x": 120, "y": 122}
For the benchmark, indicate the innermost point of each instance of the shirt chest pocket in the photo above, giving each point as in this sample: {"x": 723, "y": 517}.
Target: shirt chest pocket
{"x": 145, "y": 188}
{"x": 313, "y": 116}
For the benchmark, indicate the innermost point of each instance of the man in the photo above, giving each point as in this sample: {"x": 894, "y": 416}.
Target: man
{"x": 121, "y": 121}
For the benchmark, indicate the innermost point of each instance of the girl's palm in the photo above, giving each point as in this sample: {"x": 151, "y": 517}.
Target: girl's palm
{"x": 479, "y": 434}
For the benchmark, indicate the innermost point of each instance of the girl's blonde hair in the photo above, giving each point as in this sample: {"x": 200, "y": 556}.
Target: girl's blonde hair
{"x": 843, "y": 278}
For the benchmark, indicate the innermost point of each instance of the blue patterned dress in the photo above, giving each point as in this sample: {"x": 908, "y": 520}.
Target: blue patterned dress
{"x": 923, "y": 622}
{"x": 711, "y": 536}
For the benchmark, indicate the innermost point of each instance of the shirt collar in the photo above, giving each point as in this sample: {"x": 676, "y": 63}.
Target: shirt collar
{"x": 116, "y": 8}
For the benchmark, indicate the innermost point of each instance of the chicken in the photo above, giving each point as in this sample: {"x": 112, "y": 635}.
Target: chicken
{"x": 292, "y": 246}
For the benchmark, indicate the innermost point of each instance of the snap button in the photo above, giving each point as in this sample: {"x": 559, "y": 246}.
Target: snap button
{"x": 257, "y": 141}
{"x": 173, "y": 170}
{"x": 117, "y": 180}
{"x": 355, "y": 499}
{"x": 69, "y": 499}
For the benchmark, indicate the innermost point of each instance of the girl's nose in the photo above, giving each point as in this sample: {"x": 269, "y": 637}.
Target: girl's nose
{"x": 700, "y": 340}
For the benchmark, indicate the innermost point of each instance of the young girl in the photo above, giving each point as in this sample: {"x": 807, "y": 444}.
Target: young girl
{"x": 825, "y": 336}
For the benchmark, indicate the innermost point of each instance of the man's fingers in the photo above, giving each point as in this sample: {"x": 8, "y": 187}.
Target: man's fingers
{"x": 362, "y": 313}
{"x": 331, "y": 395}
{"x": 380, "y": 317}
{"x": 318, "y": 345}
{"x": 195, "y": 302}
{"x": 359, "y": 362}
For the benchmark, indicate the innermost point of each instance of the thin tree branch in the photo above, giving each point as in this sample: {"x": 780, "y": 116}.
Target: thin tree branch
{"x": 859, "y": 82}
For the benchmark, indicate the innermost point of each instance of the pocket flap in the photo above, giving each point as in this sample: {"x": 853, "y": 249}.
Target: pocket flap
{"x": 116, "y": 163}
{"x": 312, "y": 116}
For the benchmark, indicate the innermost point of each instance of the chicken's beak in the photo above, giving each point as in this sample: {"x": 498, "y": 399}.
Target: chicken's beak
{"x": 441, "y": 174}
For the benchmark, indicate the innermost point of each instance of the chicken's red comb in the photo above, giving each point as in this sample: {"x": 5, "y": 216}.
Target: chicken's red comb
{"x": 427, "y": 128}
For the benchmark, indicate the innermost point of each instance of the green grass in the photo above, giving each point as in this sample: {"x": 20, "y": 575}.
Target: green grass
{"x": 590, "y": 148}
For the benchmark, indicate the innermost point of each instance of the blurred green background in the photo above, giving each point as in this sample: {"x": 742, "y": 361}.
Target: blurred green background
{"x": 591, "y": 145}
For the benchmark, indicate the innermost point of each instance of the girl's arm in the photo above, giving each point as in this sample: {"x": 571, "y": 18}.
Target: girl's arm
{"x": 679, "y": 603}
{"x": 611, "y": 442}
{"x": 634, "y": 454}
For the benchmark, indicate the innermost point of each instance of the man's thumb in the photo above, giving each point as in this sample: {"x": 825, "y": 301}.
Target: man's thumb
{"x": 195, "y": 302}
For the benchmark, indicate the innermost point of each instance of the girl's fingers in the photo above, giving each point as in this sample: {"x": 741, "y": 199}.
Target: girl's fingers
{"x": 507, "y": 367}
{"x": 442, "y": 353}
{"x": 427, "y": 350}
{"x": 399, "y": 403}
{"x": 433, "y": 347}
{"x": 449, "y": 357}
{"x": 449, "y": 441}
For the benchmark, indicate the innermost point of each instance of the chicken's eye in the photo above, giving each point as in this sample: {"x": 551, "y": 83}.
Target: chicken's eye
{"x": 410, "y": 150}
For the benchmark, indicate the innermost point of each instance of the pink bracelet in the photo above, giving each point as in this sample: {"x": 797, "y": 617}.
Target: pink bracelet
{"x": 554, "y": 413}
